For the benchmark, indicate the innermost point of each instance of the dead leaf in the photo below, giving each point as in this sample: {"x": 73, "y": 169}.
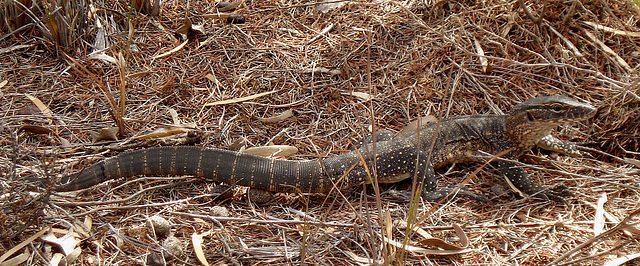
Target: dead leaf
{"x": 66, "y": 243}
{"x": 362, "y": 95}
{"x": 110, "y": 133}
{"x": 328, "y": 5}
{"x": 13, "y": 48}
{"x": 56, "y": 259}
{"x": 612, "y": 30}
{"x": 483, "y": 60}
{"x": 621, "y": 260}
{"x": 322, "y": 70}
{"x": 65, "y": 143}
{"x": 217, "y": 16}
{"x": 33, "y": 129}
{"x": 633, "y": 162}
{"x": 282, "y": 116}
{"x": 73, "y": 256}
{"x": 420, "y": 122}
{"x": 29, "y": 109}
{"x": 235, "y": 19}
{"x": 196, "y": 240}
{"x": 362, "y": 260}
{"x": 185, "y": 27}
{"x": 598, "y": 219}
{"x": 439, "y": 243}
{"x": 174, "y": 116}
{"x": 241, "y": 99}
{"x": 44, "y": 109}
{"x": 178, "y": 48}
{"x": 23, "y": 244}
{"x": 424, "y": 251}
{"x": 228, "y": 6}
{"x": 17, "y": 260}
{"x": 103, "y": 57}
{"x": 606, "y": 49}
{"x": 167, "y": 131}
{"x": 322, "y": 33}
{"x": 280, "y": 151}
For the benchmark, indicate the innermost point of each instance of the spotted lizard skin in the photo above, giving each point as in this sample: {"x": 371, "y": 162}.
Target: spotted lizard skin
{"x": 454, "y": 140}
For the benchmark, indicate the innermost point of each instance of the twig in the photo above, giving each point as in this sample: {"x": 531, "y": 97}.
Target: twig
{"x": 536, "y": 20}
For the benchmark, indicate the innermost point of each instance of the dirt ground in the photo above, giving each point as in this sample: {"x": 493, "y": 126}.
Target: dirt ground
{"x": 317, "y": 76}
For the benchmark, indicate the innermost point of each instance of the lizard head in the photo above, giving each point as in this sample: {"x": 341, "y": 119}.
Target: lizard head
{"x": 533, "y": 119}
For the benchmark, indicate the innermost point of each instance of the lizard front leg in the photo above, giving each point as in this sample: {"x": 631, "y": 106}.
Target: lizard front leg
{"x": 554, "y": 144}
{"x": 381, "y": 135}
{"x": 430, "y": 190}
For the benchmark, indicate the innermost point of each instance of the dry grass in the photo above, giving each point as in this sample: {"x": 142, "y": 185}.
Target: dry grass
{"x": 415, "y": 58}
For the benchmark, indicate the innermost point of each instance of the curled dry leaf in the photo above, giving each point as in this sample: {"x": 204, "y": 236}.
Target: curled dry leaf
{"x": 608, "y": 50}
{"x": 188, "y": 29}
{"x": 439, "y": 246}
{"x": 282, "y": 116}
{"x": 71, "y": 257}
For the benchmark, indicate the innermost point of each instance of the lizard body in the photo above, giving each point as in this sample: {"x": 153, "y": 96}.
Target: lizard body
{"x": 453, "y": 140}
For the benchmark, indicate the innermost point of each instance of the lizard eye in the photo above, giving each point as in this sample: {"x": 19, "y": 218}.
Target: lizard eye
{"x": 556, "y": 107}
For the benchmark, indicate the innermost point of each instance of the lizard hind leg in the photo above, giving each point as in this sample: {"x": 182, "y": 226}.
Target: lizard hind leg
{"x": 381, "y": 135}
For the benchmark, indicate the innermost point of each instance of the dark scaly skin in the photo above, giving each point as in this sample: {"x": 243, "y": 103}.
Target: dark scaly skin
{"x": 458, "y": 139}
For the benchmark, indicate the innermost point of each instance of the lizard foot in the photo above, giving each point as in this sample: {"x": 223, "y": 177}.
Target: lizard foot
{"x": 441, "y": 192}
{"x": 557, "y": 194}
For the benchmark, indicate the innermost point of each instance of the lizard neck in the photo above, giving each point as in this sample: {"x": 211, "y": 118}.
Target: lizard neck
{"x": 524, "y": 133}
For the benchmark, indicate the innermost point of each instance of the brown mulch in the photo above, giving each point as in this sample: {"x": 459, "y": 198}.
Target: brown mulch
{"x": 322, "y": 63}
